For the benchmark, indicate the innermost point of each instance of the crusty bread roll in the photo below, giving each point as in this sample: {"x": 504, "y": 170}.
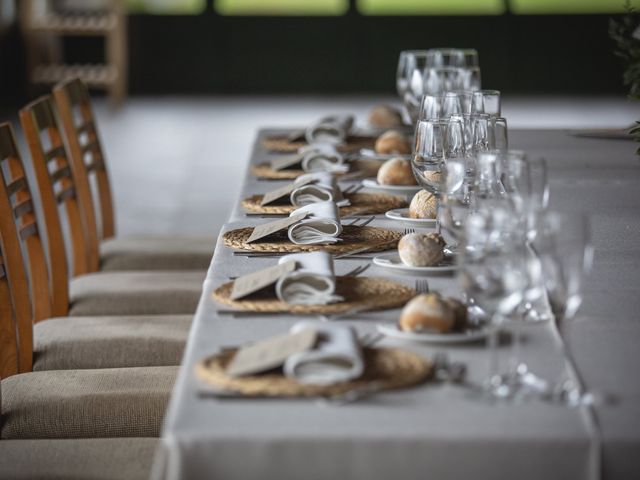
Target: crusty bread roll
{"x": 384, "y": 116}
{"x": 423, "y": 205}
{"x": 459, "y": 310}
{"x": 396, "y": 171}
{"x": 392, "y": 142}
{"x": 427, "y": 313}
{"x": 421, "y": 249}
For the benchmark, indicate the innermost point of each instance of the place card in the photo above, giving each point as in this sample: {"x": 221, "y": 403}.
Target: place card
{"x": 252, "y": 282}
{"x": 283, "y": 192}
{"x": 270, "y": 353}
{"x": 270, "y": 228}
{"x": 286, "y": 161}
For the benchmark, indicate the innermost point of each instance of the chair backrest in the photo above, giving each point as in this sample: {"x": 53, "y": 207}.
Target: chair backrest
{"x": 56, "y": 186}
{"x": 74, "y": 105}
{"x": 17, "y": 220}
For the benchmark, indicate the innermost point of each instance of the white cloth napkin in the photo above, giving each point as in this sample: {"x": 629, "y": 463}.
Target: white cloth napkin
{"x": 333, "y": 129}
{"x": 323, "y": 158}
{"x": 336, "y": 358}
{"x": 312, "y": 283}
{"x": 324, "y": 188}
{"x": 321, "y": 226}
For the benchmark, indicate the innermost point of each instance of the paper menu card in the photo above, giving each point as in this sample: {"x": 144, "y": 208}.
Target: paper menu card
{"x": 283, "y": 192}
{"x": 270, "y": 353}
{"x": 286, "y": 161}
{"x": 252, "y": 282}
{"x": 270, "y": 228}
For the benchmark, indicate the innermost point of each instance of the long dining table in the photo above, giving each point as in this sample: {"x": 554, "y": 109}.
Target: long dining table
{"x": 439, "y": 430}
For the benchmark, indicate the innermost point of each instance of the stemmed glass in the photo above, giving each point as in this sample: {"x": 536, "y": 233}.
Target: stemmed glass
{"x": 410, "y": 80}
{"x": 563, "y": 247}
{"x": 487, "y": 101}
{"x": 494, "y": 274}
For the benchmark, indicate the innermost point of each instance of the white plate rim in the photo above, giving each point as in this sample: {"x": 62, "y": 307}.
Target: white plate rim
{"x": 406, "y": 189}
{"x": 379, "y": 260}
{"x": 392, "y": 331}
{"x": 394, "y": 215}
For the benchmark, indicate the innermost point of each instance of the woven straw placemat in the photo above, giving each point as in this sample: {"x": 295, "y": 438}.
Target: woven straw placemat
{"x": 368, "y": 167}
{"x": 379, "y": 239}
{"x": 359, "y": 293}
{"x": 388, "y": 368}
{"x": 282, "y": 144}
{"x": 361, "y": 203}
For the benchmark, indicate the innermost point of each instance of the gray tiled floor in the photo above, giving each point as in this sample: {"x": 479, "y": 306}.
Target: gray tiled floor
{"x": 177, "y": 163}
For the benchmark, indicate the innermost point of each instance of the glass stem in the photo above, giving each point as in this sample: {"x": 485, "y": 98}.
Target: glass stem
{"x": 516, "y": 340}
{"x": 492, "y": 343}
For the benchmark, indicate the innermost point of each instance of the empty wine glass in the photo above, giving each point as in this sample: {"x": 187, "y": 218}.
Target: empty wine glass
{"x": 452, "y": 57}
{"x": 430, "y": 106}
{"x": 442, "y": 79}
{"x": 405, "y": 69}
{"x": 471, "y": 78}
{"x": 494, "y": 275}
{"x": 428, "y": 155}
{"x": 413, "y": 81}
{"x": 563, "y": 247}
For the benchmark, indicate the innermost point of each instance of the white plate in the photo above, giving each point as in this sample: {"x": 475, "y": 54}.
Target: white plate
{"x": 402, "y": 215}
{"x": 392, "y": 331}
{"x": 392, "y": 189}
{"x": 392, "y": 262}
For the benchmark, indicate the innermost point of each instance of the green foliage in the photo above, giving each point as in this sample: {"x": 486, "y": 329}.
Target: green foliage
{"x": 626, "y": 35}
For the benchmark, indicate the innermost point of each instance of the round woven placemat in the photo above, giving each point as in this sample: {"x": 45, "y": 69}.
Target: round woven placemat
{"x": 282, "y": 144}
{"x": 359, "y": 293}
{"x": 388, "y": 368}
{"x": 361, "y": 203}
{"x": 379, "y": 239}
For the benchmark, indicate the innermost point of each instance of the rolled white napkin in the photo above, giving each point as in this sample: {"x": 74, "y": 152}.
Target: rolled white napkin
{"x": 324, "y": 188}
{"x": 323, "y": 160}
{"x": 336, "y": 358}
{"x": 312, "y": 283}
{"x": 333, "y": 129}
{"x": 321, "y": 226}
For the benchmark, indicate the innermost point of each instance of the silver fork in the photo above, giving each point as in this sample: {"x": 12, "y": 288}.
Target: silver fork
{"x": 407, "y": 231}
{"x": 361, "y": 222}
{"x": 422, "y": 286}
{"x": 357, "y": 271}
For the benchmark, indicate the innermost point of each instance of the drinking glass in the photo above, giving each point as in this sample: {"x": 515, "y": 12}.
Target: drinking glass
{"x": 563, "y": 247}
{"x": 413, "y": 81}
{"x": 430, "y": 106}
{"x": 487, "y": 101}
{"x": 454, "y": 209}
{"x": 494, "y": 276}
{"x": 453, "y": 57}
{"x": 471, "y": 78}
{"x": 428, "y": 155}
{"x": 451, "y": 104}
{"x": 442, "y": 79}
{"x": 405, "y": 69}
{"x": 499, "y": 138}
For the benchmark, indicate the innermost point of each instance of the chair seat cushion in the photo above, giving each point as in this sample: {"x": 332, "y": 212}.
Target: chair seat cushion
{"x": 71, "y": 343}
{"x": 87, "y": 458}
{"x": 135, "y": 293}
{"x": 156, "y": 253}
{"x": 112, "y": 402}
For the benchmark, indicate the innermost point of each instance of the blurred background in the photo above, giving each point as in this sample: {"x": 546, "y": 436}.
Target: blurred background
{"x": 181, "y": 86}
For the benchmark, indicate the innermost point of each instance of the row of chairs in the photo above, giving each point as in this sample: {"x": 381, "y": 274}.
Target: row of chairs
{"x": 89, "y": 348}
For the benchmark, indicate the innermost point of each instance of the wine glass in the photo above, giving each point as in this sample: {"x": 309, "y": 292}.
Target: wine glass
{"x": 404, "y": 70}
{"x": 413, "y": 81}
{"x": 442, "y": 79}
{"x": 430, "y": 106}
{"x": 494, "y": 276}
{"x": 428, "y": 155}
{"x": 563, "y": 247}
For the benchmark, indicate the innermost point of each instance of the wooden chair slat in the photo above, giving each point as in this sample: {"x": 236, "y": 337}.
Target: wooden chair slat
{"x": 25, "y": 206}
{"x": 65, "y": 194}
{"x": 92, "y": 145}
{"x": 27, "y": 230}
{"x": 86, "y": 127}
{"x": 64, "y": 172}
{"x": 55, "y": 152}
{"x": 2, "y": 271}
{"x": 95, "y": 164}
{"x": 17, "y": 185}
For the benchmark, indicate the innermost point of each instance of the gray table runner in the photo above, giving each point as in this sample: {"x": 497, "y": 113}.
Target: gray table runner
{"x": 437, "y": 431}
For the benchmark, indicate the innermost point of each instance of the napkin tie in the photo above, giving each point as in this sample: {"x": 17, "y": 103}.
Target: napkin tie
{"x": 321, "y": 226}
{"x": 333, "y": 129}
{"x": 336, "y": 358}
{"x": 312, "y": 283}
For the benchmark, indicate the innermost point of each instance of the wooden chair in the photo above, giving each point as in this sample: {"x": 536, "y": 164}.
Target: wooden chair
{"x": 64, "y": 343}
{"x": 87, "y": 158}
{"x": 104, "y": 293}
{"x": 111, "y": 402}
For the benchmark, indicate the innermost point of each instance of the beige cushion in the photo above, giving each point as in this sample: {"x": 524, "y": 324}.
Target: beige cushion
{"x": 113, "y": 402}
{"x": 71, "y": 343}
{"x": 135, "y": 293}
{"x": 87, "y": 459}
{"x": 156, "y": 253}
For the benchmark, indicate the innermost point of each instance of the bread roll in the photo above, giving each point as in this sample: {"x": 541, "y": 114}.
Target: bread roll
{"x": 459, "y": 310}
{"x": 423, "y": 205}
{"x": 396, "y": 171}
{"x": 392, "y": 142}
{"x": 427, "y": 313}
{"x": 384, "y": 116}
{"x": 421, "y": 249}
